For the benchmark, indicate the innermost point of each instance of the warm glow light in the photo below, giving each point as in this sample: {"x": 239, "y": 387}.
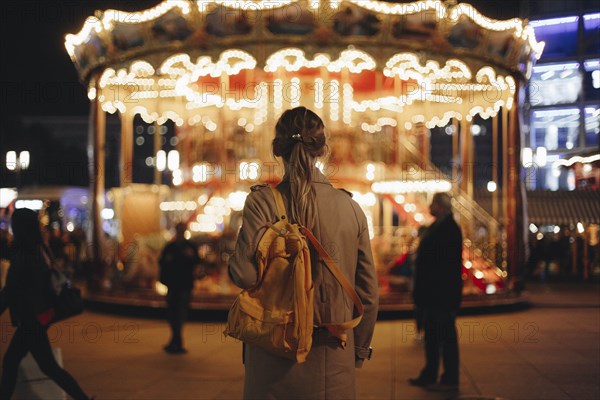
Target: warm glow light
{"x": 7, "y": 195}
{"x": 160, "y": 288}
{"x": 249, "y": 4}
{"x": 31, "y": 204}
{"x": 11, "y": 160}
{"x": 491, "y": 186}
{"x": 173, "y": 160}
{"x": 200, "y": 172}
{"x": 490, "y": 288}
{"x": 249, "y": 171}
{"x": 539, "y": 236}
{"x": 236, "y": 200}
{"x": 395, "y": 187}
{"x": 161, "y": 160}
{"x": 580, "y": 228}
{"x": 177, "y": 177}
{"x": 292, "y": 59}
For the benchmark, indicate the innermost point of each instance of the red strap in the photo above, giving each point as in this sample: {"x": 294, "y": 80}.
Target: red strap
{"x": 341, "y": 278}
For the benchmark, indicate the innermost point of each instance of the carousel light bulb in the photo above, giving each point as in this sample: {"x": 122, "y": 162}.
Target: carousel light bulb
{"x": 11, "y": 160}
{"x": 177, "y": 177}
{"x": 173, "y": 160}
{"x": 295, "y": 92}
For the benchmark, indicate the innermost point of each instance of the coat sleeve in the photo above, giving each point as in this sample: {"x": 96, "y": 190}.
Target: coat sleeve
{"x": 243, "y": 270}
{"x": 367, "y": 289}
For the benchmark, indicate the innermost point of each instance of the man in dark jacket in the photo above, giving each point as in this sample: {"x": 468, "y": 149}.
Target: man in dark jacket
{"x": 438, "y": 292}
{"x": 177, "y": 262}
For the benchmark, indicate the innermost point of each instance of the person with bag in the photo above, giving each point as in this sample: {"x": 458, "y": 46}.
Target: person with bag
{"x": 340, "y": 262}
{"x": 29, "y": 296}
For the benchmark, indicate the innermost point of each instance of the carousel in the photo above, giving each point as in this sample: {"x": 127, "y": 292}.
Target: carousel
{"x": 204, "y": 82}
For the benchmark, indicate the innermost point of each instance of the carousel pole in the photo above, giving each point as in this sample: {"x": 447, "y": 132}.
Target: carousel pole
{"x": 466, "y": 157}
{"x": 399, "y": 129}
{"x": 157, "y": 146}
{"x": 494, "y": 227}
{"x": 516, "y": 204}
{"x": 504, "y": 213}
{"x": 224, "y": 87}
{"x": 126, "y": 159}
{"x": 504, "y": 165}
{"x": 467, "y": 168}
{"x": 455, "y": 137}
{"x": 96, "y": 155}
{"x": 495, "y": 166}
{"x": 157, "y": 143}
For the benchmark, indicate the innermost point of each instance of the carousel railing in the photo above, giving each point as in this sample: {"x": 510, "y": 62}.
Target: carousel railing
{"x": 484, "y": 236}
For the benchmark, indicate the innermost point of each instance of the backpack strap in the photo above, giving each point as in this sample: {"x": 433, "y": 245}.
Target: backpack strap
{"x": 279, "y": 203}
{"x": 336, "y": 329}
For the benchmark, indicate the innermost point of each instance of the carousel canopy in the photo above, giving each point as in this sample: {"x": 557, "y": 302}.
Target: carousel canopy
{"x": 355, "y": 61}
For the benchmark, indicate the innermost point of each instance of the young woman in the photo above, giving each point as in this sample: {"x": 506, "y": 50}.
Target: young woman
{"x": 341, "y": 227}
{"x": 28, "y": 294}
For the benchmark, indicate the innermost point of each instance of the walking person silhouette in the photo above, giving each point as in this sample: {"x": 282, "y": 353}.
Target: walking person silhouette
{"x": 28, "y": 295}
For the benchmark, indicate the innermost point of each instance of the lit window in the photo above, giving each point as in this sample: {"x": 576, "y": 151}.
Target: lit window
{"x": 555, "y": 84}
{"x": 560, "y": 35}
{"x": 555, "y": 128}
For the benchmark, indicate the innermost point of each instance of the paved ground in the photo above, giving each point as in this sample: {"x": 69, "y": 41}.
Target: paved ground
{"x": 550, "y": 351}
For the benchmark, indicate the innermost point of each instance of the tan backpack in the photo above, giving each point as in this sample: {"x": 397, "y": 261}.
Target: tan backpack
{"x": 277, "y": 313}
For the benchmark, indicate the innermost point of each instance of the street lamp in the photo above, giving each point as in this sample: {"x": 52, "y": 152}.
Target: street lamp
{"x": 14, "y": 163}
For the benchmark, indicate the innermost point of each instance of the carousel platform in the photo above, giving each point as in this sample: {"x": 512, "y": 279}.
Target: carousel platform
{"x": 207, "y": 306}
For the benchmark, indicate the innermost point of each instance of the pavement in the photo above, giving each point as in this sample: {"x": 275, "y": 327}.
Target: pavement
{"x": 549, "y": 351}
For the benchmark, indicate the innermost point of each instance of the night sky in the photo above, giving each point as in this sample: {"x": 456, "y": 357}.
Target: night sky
{"x": 38, "y": 77}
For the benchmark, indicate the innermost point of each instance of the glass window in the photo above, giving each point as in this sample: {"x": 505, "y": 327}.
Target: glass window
{"x": 560, "y": 35}
{"x": 551, "y": 7}
{"x": 555, "y": 84}
{"x": 591, "y": 27}
{"x": 592, "y": 125}
{"x": 591, "y": 81}
{"x": 555, "y": 129}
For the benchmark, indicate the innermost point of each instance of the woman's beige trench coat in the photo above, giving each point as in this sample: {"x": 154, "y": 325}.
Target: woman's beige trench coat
{"x": 328, "y": 372}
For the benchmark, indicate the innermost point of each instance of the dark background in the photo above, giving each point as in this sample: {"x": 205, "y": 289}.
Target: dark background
{"x": 38, "y": 77}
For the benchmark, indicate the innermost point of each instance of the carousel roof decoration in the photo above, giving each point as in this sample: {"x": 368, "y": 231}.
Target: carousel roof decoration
{"x": 438, "y": 59}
